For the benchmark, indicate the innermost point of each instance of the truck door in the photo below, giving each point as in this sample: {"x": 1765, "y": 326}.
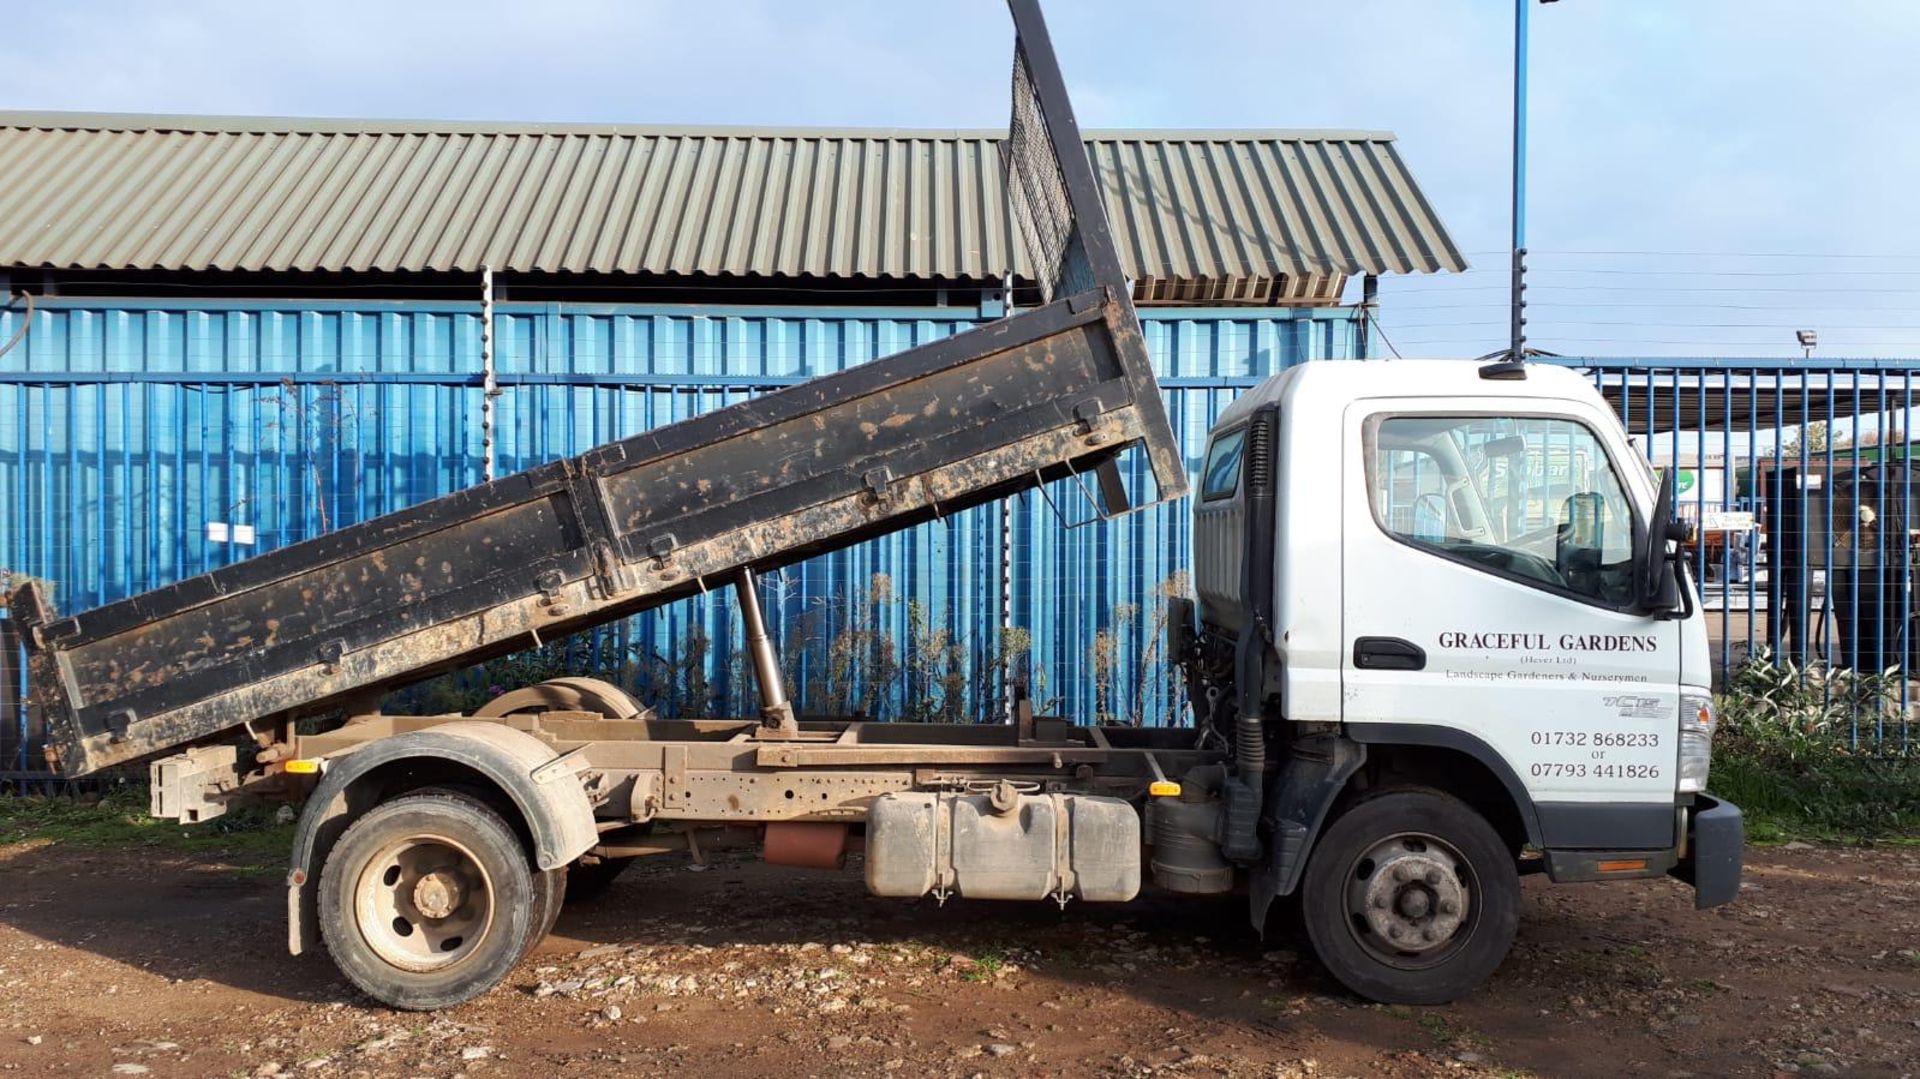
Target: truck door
{"x": 1490, "y": 607}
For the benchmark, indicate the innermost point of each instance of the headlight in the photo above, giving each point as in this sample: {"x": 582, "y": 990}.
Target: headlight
{"x": 1696, "y": 741}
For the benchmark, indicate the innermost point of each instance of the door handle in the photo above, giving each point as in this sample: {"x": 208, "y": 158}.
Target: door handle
{"x": 1388, "y": 654}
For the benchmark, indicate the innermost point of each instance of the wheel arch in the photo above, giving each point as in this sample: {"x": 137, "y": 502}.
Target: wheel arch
{"x": 546, "y": 806}
{"x": 1453, "y": 761}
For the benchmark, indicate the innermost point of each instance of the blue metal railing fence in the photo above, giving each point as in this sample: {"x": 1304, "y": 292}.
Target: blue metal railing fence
{"x": 1798, "y": 477}
{"x": 144, "y": 442}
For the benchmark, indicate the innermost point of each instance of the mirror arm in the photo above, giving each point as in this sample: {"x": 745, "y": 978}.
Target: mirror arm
{"x": 1657, "y": 563}
{"x": 1677, "y": 567}
{"x": 1679, "y": 532}
{"x": 1686, "y": 593}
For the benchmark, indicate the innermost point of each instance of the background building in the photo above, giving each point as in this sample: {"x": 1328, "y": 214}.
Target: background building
{"x": 247, "y": 332}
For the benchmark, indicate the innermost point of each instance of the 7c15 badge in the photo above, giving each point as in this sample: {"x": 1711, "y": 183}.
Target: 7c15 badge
{"x": 1636, "y": 706}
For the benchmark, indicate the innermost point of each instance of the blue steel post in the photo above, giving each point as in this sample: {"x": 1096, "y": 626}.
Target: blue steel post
{"x": 16, "y": 720}
{"x": 1906, "y": 558}
{"x": 1826, "y": 532}
{"x": 124, "y": 532}
{"x": 1854, "y": 527}
{"x": 1700, "y": 495}
{"x": 1517, "y": 339}
{"x": 230, "y": 494}
{"x": 1876, "y": 456}
{"x": 1777, "y": 493}
{"x": 1752, "y": 539}
{"x": 1805, "y": 643}
{"x": 1776, "y": 585}
{"x": 1729, "y": 491}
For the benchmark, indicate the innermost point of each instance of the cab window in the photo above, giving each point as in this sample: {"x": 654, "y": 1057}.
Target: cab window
{"x": 1221, "y": 476}
{"x": 1530, "y": 498}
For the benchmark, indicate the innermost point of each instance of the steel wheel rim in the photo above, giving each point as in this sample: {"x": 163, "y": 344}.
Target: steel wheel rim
{"x": 1412, "y": 901}
{"x": 423, "y": 903}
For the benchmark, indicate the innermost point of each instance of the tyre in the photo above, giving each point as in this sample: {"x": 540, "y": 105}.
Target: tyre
{"x": 1411, "y": 897}
{"x": 428, "y": 900}
{"x": 586, "y": 883}
{"x": 550, "y": 893}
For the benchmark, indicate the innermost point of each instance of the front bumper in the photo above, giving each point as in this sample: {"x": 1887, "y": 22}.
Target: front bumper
{"x": 1715, "y": 839}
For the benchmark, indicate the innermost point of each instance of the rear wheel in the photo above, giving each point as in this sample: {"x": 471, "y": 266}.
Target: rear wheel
{"x": 1411, "y": 897}
{"x": 428, "y": 900}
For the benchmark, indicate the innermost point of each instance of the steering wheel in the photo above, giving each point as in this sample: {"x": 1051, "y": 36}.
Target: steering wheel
{"x": 1520, "y": 562}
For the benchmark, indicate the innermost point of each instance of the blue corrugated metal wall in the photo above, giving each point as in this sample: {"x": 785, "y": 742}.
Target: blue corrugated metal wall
{"x": 128, "y": 427}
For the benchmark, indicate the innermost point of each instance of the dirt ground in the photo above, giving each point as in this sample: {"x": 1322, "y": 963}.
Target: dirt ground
{"x": 114, "y": 963}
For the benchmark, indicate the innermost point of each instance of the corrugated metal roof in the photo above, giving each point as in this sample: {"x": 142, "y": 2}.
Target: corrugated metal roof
{"x": 1199, "y": 215}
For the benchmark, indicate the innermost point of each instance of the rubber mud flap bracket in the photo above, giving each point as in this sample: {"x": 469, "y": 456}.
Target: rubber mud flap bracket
{"x": 1087, "y": 411}
{"x": 552, "y": 584}
{"x": 332, "y": 653}
{"x": 660, "y": 549}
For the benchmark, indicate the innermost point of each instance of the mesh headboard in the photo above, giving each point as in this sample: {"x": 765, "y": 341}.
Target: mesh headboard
{"x": 1055, "y": 202}
{"x": 1037, "y": 190}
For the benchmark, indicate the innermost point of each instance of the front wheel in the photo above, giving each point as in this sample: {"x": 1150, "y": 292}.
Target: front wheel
{"x": 428, "y": 901}
{"x": 1411, "y": 897}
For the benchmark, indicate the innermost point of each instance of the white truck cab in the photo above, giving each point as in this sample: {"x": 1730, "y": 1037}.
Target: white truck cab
{"x": 1439, "y": 616}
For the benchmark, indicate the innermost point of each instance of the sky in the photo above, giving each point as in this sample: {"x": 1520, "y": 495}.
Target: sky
{"x": 1707, "y": 176}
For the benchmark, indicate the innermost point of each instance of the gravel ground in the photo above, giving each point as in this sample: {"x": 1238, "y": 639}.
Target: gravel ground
{"x": 113, "y": 961}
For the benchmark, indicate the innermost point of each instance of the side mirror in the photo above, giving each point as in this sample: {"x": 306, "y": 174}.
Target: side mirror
{"x": 1658, "y": 579}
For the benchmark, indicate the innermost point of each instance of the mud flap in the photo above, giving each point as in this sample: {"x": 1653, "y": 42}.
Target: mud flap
{"x": 1297, "y": 804}
{"x": 1714, "y": 849}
